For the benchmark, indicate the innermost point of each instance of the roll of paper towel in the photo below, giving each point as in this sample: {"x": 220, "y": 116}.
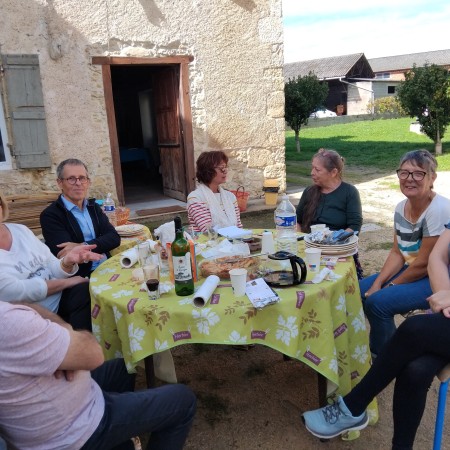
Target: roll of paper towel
{"x": 202, "y": 296}
{"x": 129, "y": 258}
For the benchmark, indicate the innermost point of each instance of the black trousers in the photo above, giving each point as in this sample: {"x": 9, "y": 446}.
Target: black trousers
{"x": 75, "y": 307}
{"x": 417, "y": 351}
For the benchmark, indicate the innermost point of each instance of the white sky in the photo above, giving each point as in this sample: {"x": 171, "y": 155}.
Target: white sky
{"x": 322, "y": 28}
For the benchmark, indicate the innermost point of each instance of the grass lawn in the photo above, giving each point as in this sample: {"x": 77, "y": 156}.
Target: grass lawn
{"x": 377, "y": 144}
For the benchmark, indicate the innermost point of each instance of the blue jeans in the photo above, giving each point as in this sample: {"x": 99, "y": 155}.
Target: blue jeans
{"x": 166, "y": 412}
{"x": 383, "y": 305}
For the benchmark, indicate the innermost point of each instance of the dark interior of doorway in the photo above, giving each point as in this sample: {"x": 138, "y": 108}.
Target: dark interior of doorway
{"x": 136, "y": 130}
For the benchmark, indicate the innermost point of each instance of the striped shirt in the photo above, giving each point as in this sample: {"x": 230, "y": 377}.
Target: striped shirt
{"x": 430, "y": 223}
{"x": 199, "y": 214}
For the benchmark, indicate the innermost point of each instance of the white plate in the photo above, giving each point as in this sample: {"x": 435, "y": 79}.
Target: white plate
{"x": 353, "y": 240}
{"x": 130, "y": 229}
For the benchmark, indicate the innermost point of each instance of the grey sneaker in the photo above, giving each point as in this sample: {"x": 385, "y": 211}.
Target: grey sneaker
{"x": 333, "y": 420}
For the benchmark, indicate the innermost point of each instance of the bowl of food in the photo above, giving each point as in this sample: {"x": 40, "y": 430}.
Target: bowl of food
{"x": 222, "y": 266}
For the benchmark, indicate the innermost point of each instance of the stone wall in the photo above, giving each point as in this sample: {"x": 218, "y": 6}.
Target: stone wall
{"x": 236, "y": 79}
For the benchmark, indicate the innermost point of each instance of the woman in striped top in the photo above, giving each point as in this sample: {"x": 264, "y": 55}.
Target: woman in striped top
{"x": 210, "y": 205}
{"x": 403, "y": 284}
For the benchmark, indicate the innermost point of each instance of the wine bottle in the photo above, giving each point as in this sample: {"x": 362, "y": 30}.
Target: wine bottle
{"x": 181, "y": 259}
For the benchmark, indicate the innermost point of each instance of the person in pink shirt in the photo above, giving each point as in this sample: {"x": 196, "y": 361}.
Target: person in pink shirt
{"x": 56, "y": 391}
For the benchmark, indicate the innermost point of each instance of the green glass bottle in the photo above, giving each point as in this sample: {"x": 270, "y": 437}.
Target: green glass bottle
{"x": 181, "y": 259}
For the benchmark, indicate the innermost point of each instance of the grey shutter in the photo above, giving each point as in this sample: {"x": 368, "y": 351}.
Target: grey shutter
{"x": 25, "y": 106}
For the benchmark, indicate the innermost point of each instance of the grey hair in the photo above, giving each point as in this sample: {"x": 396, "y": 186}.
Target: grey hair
{"x": 422, "y": 158}
{"x": 69, "y": 162}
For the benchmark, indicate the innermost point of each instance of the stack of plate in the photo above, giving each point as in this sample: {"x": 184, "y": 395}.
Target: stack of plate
{"x": 130, "y": 230}
{"x": 347, "y": 249}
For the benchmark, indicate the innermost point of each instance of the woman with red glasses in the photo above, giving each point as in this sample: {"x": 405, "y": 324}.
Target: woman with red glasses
{"x": 210, "y": 205}
{"x": 402, "y": 284}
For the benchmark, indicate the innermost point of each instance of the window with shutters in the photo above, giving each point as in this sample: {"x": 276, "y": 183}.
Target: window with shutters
{"x": 5, "y": 158}
{"x": 24, "y": 106}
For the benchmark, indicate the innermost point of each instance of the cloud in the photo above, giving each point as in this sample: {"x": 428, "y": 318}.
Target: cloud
{"x": 383, "y": 30}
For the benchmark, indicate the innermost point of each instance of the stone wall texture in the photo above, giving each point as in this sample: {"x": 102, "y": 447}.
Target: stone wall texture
{"x": 236, "y": 78}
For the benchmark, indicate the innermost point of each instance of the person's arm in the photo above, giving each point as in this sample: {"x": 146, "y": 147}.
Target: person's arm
{"x": 438, "y": 272}
{"x": 199, "y": 214}
{"x": 394, "y": 262}
{"x": 56, "y": 229}
{"x": 83, "y": 353}
{"x": 300, "y": 208}
{"x": 418, "y": 268}
{"x": 438, "y": 263}
{"x": 354, "y": 217}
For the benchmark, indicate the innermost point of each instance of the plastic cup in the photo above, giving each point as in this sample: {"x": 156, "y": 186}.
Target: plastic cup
{"x": 267, "y": 243}
{"x": 238, "y": 281}
{"x": 312, "y": 256}
{"x": 318, "y": 227}
{"x": 143, "y": 252}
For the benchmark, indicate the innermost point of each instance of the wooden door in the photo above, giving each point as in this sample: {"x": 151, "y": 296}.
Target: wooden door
{"x": 170, "y": 142}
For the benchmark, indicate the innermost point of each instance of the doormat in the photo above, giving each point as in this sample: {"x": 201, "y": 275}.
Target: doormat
{"x": 164, "y": 210}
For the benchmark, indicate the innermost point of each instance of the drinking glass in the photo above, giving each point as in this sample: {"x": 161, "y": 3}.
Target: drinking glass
{"x": 151, "y": 278}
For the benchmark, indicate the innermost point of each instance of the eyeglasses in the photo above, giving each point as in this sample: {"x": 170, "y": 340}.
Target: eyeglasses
{"x": 73, "y": 180}
{"x": 223, "y": 169}
{"x": 417, "y": 175}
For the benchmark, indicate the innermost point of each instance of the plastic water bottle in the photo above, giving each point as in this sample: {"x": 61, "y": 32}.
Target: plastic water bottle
{"x": 286, "y": 226}
{"x": 109, "y": 208}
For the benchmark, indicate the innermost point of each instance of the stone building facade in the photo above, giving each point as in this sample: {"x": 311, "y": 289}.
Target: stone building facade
{"x": 215, "y": 71}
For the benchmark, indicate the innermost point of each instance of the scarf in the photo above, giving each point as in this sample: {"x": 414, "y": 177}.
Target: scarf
{"x": 220, "y": 217}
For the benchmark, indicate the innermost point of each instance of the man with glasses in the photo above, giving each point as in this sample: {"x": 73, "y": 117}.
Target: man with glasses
{"x": 73, "y": 219}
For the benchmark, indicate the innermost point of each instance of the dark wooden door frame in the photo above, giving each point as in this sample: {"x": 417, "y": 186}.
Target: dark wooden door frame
{"x": 185, "y": 111}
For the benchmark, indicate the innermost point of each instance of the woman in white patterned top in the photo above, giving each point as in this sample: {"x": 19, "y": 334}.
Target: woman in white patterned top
{"x": 210, "y": 205}
{"x": 402, "y": 284}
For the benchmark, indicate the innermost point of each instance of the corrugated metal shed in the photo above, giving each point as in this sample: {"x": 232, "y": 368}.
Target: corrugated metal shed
{"x": 333, "y": 67}
{"x": 404, "y": 62}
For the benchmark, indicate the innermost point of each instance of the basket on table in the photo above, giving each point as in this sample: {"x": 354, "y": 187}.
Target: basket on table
{"x": 242, "y": 197}
{"x": 122, "y": 215}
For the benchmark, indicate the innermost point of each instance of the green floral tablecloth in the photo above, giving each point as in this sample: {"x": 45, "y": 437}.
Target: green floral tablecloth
{"x": 128, "y": 242}
{"x": 322, "y": 325}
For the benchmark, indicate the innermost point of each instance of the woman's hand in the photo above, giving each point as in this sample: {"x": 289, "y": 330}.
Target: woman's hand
{"x": 374, "y": 288}
{"x": 440, "y": 302}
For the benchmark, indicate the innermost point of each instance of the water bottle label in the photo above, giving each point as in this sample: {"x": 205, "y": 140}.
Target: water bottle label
{"x": 285, "y": 221}
{"x": 108, "y": 208}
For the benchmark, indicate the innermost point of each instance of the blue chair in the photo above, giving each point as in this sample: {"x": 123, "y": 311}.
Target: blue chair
{"x": 444, "y": 378}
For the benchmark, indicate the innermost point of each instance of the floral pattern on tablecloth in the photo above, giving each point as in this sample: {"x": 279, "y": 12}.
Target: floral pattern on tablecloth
{"x": 321, "y": 325}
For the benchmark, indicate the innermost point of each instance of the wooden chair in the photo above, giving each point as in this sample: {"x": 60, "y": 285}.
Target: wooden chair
{"x": 444, "y": 378}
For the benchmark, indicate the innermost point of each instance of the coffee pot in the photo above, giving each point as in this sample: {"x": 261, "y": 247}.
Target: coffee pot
{"x": 286, "y": 277}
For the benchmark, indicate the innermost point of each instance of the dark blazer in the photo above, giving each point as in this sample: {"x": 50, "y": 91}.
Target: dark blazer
{"x": 60, "y": 225}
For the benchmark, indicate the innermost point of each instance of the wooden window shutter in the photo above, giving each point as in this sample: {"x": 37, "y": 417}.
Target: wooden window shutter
{"x": 25, "y": 108}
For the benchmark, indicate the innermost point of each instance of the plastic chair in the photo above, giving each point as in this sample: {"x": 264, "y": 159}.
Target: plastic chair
{"x": 444, "y": 378}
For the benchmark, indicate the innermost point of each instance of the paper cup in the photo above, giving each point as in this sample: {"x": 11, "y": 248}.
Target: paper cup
{"x": 312, "y": 256}
{"x": 267, "y": 243}
{"x": 238, "y": 280}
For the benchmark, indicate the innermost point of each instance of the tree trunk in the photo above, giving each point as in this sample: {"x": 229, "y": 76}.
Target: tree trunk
{"x": 297, "y": 140}
{"x": 438, "y": 144}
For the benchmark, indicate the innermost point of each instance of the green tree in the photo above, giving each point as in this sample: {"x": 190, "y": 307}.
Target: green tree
{"x": 425, "y": 94}
{"x": 302, "y": 97}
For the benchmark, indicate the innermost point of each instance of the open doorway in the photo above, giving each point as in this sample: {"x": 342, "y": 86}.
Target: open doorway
{"x": 150, "y": 127}
{"x": 133, "y": 94}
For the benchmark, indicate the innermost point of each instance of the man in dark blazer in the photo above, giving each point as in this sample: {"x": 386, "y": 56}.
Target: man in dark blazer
{"x": 74, "y": 219}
